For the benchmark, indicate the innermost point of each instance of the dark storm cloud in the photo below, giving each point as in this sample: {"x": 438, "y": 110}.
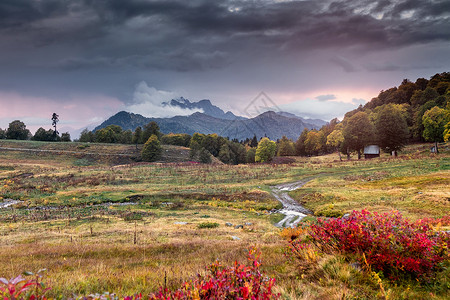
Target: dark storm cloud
{"x": 108, "y": 46}
{"x": 344, "y": 64}
{"x": 168, "y": 34}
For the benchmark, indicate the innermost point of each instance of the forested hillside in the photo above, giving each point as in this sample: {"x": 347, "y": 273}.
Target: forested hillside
{"x": 412, "y": 112}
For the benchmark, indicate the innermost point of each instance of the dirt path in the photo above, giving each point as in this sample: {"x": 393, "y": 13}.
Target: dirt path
{"x": 293, "y": 211}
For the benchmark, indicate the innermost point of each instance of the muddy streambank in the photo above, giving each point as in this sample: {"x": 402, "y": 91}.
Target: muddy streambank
{"x": 293, "y": 211}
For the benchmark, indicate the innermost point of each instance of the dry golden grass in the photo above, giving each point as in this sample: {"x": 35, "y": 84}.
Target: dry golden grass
{"x": 82, "y": 261}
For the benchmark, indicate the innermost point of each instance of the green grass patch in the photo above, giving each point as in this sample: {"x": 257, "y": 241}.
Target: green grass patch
{"x": 207, "y": 225}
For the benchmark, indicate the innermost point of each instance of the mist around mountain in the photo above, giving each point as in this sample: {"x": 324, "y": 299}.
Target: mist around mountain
{"x": 317, "y": 122}
{"x": 214, "y": 120}
{"x": 205, "y": 105}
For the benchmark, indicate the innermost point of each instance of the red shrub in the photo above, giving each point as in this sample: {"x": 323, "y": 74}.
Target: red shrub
{"x": 21, "y": 288}
{"x": 238, "y": 282}
{"x": 389, "y": 242}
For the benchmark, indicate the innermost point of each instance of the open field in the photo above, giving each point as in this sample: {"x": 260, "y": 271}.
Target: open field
{"x": 105, "y": 223}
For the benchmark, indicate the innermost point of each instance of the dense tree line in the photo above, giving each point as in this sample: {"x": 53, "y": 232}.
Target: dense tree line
{"x": 229, "y": 152}
{"x": 115, "y": 134}
{"x": 412, "y": 112}
{"x": 17, "y": 130}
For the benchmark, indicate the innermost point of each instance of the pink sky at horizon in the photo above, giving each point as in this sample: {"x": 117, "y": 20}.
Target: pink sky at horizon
{"x": 90, "y": 110}
{"x": 36, "y": 112}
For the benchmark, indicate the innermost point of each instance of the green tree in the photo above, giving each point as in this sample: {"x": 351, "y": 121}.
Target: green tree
{"x": 17, "y": 131}
{"x": 434, "y": 121}
{"x": 150, "y": 129}
{"x": 286, "y": 147}
{"x": 300, "y": 143}
{"x": 137, "y": 136}
{"x": 312, "y": 143}
{"x": 250, "y": 156}
{"x": 417, "y": 127}
{"x": 198, "y": 138}
{"x": 126, "y": 137}
{"x": 86, "y": 136}
{"x": 41, "y": 135}
{"x": 2, "y": 134}
{"x": 195, "y": 149}
{"x": 109, "y": 134}
{"x": 224, "y": 154}
{"x": 392, "y": 128}
{"x": 65, "y": 137}
{"x": 265, "y": 151}
{"x": 447, "y": 126}
{"x": 213, "y": 143}
{"x": 358, "y": 132}
{"x": 152, "y": 149}
{"x": 238, "y": 153}
{"x": 178, "y": 139}
{"x": 45, "y": 135}
{"x": 419, "y": 98}
{"x": 204, "y": 156}
{"x": 254, "y": 142}
{"x": 335, "y": 140}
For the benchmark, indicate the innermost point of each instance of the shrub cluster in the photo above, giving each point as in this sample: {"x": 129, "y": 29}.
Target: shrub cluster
{"x": 385, "y": 242}
{"x": 238, "y": 282}
{"x": 208, "y": 225}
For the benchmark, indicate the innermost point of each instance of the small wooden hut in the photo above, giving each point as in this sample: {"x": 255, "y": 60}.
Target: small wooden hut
{"x": 371, "y": 151}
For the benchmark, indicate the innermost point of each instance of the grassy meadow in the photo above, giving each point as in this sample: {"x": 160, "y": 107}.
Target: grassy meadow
{"x": 98, "y": 221}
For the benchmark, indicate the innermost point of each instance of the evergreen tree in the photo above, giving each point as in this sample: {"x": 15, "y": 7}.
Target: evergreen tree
{"x": 254, "y": 142}
{"x": 300, "y": 143}
{"x": 152, "y": 149}
{"x": 137, "y": 136}
{"x": 150, "y": 129}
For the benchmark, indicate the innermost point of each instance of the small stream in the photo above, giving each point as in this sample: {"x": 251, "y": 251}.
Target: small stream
{"x": 8, "y": 202}
{"x": 293, "y": 211}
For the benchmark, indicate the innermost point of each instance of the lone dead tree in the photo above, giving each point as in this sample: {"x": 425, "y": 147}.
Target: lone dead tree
{"x": 55, "y": 119}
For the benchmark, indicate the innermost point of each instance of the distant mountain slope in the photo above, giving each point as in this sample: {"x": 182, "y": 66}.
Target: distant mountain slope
{"x": 205, "y": 105}
{"x": 270, "y": 124}
{"x": 316, "y": 122}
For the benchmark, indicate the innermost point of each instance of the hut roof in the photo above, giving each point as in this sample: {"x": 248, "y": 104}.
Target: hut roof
{"x": 372, "y": 149}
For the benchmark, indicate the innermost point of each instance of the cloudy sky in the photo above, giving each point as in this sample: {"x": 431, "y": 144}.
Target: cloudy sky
{"x": 88, "y": 59}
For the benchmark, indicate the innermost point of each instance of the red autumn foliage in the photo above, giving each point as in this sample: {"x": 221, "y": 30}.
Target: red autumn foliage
{"x": 238, "y": 282}
{"x": 386, "y": 242}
